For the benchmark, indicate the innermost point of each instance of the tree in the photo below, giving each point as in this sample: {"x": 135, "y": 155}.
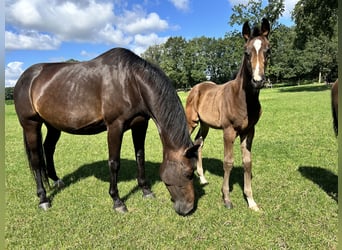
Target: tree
{"x": 253, "y": 12}
{"x": 314, "y": 18}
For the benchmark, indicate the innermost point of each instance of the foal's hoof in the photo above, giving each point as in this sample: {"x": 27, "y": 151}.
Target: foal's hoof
{"x": 228, "y": 204}
{"x": 255, "y": 208}
{"x": 149, "y": 196}
{"x": 59, "y": 184}
{"x": 203, "y": 180}
{"x": 122, "y": 209}
{"x": 45, "y": 205}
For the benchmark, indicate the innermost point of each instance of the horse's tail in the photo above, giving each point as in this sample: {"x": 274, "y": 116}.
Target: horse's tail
{"x": 43, "y": 168}
{"x": 335, "y": 119}
{"x": 334, "y": 106}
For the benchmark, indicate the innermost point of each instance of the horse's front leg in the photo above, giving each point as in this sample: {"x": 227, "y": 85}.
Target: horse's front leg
{"x": 139, "y": 134}
{"x": 246, "y": 147}
{"x": 114, "y": 137}
{"x": 202, "y": 133}
{"x": 229, "y": 135}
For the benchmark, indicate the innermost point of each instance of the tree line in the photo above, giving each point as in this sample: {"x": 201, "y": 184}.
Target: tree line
{"x": 295, "y": 57}
{"x": 307, "y": 51}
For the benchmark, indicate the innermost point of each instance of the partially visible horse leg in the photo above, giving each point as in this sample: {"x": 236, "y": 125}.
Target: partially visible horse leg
{"x": 114, "y": 137}
{"x": 139, "y": 134}
{"x": 229, "y": 135}
{"x": 202, "y": 132}
{"x": 50, "y": 142}
{"x": 246, "y": 147}
{"x": 35, "y": 153}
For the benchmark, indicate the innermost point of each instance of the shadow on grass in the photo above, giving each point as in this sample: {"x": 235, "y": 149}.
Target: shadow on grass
{"x": 324, "y": 178}
{"x": 128, "y": 172}
{"x": 215, "y": 167}
{"x": 303, "y": 88}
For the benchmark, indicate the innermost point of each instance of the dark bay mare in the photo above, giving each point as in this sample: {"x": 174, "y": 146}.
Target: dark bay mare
{"x": 334, "y": 105}
{"x": 116, "y": 91}
{"x": 233, "y": 107}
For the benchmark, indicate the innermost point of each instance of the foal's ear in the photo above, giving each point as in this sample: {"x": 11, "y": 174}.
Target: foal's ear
{"x": 246, "y": 31}
{"x": 265, "y": 27}
{"x": 192, "y": 151}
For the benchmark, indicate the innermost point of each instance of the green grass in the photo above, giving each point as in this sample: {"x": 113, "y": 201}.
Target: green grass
{"x": 294, "y": 182}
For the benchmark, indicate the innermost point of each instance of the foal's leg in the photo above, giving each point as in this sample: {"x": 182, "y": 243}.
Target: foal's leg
{"x": 202, "y": 132}
{"x": 50, "y": 142}
{"x": 34, "y": 149}
{"x": 114, "y": 137}
{"x": 139, "y": 135}
{"x": 229, "y": 135}
{"x": 246, "y": 147}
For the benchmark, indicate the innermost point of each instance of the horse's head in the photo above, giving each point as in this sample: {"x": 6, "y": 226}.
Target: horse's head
{"x": 177, "y": 172}
{"x": 257, "y": 50}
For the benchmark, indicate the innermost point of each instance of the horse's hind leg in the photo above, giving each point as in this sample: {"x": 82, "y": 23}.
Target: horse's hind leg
{"x": 138, "y": 135}
{"x": 35, "y": 153}
{"x": 202, "y": 132}
{"x": 50, "y": 142}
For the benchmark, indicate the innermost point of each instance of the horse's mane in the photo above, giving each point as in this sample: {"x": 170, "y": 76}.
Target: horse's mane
{"x": 165, "y": 106}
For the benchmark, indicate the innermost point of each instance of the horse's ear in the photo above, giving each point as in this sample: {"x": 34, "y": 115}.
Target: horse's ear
{"x": 265, "y": 27}
{"x": 246, "y": 31}
{"x": 192, "y": 151}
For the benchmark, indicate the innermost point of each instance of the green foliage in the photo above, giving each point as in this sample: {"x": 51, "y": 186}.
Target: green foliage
{"x": 9, "y": 93}
{"x": 218, "y": 59}
{"x": 314, "y": 18}
{"x": 294, "y": 182}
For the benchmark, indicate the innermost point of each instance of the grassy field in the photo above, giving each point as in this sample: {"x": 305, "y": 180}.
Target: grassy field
{"x": 294, "y": 182}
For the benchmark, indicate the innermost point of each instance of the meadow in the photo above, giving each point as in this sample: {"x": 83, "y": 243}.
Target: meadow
{"x": 294, "y": 182}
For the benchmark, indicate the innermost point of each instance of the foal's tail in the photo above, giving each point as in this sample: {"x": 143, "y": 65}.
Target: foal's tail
{"x": 43, "y": 168}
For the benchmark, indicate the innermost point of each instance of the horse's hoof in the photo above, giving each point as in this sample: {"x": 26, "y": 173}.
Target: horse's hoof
{"x": 122, "y": 209}
{"x": 45, "y": 206}
{"x": 255, "y": 208}
{"x": 59, "y": 184}
{"x": 203, "y": 180}
{"x": 228, "y": 204}
{"x": 149, "y": 196}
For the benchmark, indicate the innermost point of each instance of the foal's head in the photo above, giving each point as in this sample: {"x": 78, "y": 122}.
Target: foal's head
{"x": 257, "y": 50}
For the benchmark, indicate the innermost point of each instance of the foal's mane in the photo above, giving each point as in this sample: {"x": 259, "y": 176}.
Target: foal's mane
{"x": 165, "y": 106}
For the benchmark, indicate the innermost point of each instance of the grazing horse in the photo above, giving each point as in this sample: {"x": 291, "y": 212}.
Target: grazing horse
{"x": 116, "y": 91}
{"x": 334, "y": 105}
{"x": 233, "y": 107}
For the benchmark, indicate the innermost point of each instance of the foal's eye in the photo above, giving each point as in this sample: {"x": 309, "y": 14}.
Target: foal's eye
{"x": 247, "y": 53}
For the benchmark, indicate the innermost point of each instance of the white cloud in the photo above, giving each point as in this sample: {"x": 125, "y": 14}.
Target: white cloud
{"x": 12, "y": 72}
{"x": 143, "y": 24}
{"x": 30, "y": 40}
{"x": 142, "y": 42}
{"x": 43, "y": 24}
{"x": 181, "y": 4}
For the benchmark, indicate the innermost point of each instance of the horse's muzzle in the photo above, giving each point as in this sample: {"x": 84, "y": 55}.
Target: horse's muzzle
{"x": 183, "y": 207}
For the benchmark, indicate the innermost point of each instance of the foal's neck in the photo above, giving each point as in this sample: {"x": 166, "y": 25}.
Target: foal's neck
{"x": 244, "y": 79}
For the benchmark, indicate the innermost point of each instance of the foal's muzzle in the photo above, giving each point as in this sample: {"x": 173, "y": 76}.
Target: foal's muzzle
{"x": 258, "y": 84}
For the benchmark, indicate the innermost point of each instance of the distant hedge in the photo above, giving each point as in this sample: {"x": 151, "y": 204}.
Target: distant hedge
{"x": 9, "y": 93}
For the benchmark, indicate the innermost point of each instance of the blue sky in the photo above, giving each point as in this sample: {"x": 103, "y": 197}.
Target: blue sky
{"x": 58, "y": 30}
